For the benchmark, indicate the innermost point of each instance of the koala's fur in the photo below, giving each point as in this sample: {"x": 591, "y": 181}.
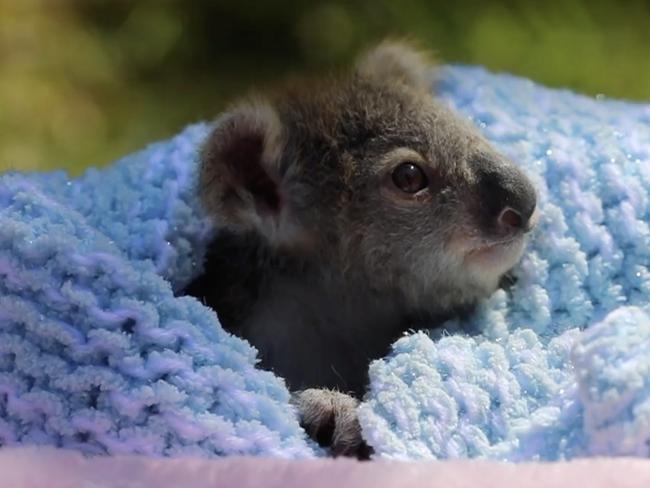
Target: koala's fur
{"x": 321, "y": 262}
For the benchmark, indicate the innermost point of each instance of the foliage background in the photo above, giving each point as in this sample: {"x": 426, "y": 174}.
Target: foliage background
{"x": 85, "y": 81}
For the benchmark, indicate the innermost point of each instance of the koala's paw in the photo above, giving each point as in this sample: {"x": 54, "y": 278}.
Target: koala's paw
{"x": 330, "y": 418}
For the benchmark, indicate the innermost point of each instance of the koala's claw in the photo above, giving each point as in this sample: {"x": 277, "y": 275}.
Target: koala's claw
{"x": 330, "y": 418}
{"x": 507, "y": 281}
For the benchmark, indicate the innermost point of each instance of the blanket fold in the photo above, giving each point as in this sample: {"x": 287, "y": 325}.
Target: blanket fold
{"x": 96, "y": 352}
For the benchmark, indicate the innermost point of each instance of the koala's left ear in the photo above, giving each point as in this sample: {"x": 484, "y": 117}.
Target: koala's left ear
{"x": 240, "y": 182}
{"x": 394, "y": 61}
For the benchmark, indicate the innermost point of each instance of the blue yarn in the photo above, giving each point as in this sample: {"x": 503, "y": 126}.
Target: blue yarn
{"x": 97, "y": 354}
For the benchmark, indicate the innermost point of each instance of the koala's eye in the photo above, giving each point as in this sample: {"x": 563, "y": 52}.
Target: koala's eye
{"x": 409, "y": 178}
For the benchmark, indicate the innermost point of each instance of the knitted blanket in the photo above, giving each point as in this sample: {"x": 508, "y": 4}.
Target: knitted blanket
{"x": 97, "y": 352}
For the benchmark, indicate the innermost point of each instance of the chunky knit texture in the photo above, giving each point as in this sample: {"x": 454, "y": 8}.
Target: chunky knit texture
{"x": 96, "y": 352}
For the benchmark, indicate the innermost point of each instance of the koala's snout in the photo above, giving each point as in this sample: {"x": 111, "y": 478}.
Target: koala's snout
{"x": 507, "y": 198}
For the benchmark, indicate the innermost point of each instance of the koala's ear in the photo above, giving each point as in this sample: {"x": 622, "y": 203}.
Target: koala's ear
{"x": 395, "y": 61}
{"x": 239, "y": 180}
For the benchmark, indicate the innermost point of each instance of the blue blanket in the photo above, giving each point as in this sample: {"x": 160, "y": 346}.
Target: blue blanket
{"x": 98, "y": 354}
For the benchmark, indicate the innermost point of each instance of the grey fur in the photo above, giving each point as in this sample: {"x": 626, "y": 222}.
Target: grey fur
{"x": 323, "y": 262}
{"x": 330, "y": 418}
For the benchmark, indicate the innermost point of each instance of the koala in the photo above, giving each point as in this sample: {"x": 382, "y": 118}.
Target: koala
{"x": 351, "y": 209}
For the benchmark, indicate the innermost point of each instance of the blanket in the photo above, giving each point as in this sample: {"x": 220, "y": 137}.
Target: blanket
{"x": 98, "y": 352}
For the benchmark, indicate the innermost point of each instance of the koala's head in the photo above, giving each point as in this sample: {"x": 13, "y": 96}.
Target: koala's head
{"x": 374, "y": 177}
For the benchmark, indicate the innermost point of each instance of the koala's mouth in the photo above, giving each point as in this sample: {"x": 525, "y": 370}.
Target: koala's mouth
{"x": 496, "y": 256}
{"x": 499, "y": 245}
{"x": 475, "y": 247}
{"x": 491, "y": 259}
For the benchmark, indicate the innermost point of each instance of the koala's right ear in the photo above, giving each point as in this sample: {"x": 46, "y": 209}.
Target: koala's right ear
{"x": 398, "y": 61}
{"x": 240, "y": 183}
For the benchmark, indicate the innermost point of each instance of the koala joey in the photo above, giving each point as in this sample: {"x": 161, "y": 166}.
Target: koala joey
{"x": 350, "y": 210}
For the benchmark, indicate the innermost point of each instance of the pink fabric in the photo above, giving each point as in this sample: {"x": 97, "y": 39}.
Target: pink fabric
{"x": 51, "y": 468}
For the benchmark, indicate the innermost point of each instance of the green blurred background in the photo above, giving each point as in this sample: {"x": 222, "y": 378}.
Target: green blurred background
{"x": 83, "y": 81}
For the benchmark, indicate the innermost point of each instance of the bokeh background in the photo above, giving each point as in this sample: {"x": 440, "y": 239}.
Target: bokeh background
{"x": 83, "y": 82}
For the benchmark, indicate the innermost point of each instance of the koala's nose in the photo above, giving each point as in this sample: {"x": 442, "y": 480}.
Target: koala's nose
{"x": 507, "y": 196}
